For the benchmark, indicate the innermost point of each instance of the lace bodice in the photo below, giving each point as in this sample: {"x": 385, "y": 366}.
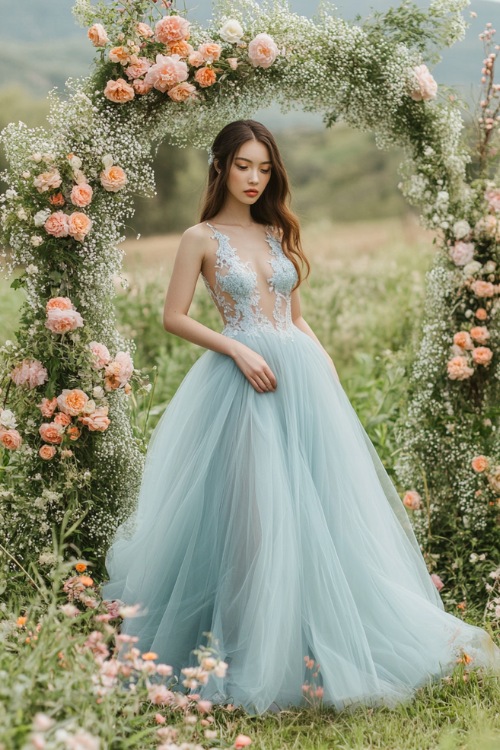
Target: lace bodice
{"x": 238, "y": 291}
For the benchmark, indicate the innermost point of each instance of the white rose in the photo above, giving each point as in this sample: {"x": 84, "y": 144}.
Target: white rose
{"x": 89, "y": 407}
{"x": 461, "y": 229}
{"x": 471, "y": 268}
{"x": 41, "y": 217}
{"x": 36, "y": 240}
{"x": 107, "y": 160}
{"x": 490, "y": 266}
{"x": 7, "y": 419}
{"x": 36, "y": 157}
{"x": 21, "y": 214}
{"x": 75, "y": 162}
{"x": 231, "y": 31}
{"x": 98, "y": 392}
{"x": 31, "y": 268}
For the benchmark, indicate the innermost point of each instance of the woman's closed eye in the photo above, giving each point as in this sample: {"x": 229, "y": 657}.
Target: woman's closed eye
{"x": 243, "y": 167}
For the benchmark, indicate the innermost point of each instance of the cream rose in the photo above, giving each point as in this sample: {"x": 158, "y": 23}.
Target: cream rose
{"x": 47, "y": 181}
{"x": 262, "y": 51}
{"x": 231, "y": 31}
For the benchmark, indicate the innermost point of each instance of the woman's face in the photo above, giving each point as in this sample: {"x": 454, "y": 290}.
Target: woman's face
{"x": 250, "y": 172}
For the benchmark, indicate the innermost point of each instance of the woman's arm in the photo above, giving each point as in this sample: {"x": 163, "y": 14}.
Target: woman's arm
{"x": 180, "y": 292}
{"x": 301, "y": 323}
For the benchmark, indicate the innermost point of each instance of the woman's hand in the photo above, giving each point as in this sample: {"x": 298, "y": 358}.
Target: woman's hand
{"x": 254, "y": 367}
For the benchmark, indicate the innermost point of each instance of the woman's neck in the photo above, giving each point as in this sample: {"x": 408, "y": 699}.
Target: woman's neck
{"x": 235, "y": 213}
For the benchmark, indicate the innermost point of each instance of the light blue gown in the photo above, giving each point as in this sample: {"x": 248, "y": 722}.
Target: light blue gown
{"x": 268, "y": 520}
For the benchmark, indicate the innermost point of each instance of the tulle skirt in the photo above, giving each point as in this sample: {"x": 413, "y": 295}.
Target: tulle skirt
{"x": 269, "y": 521}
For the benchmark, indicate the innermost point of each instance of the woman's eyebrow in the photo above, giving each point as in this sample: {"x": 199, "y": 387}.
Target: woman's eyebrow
{"x": 250, "y": 161}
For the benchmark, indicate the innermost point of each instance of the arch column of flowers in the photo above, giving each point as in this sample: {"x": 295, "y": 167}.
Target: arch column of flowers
{"x": 69, "y": 449}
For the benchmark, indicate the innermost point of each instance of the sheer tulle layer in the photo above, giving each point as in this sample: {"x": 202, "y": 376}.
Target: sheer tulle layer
{"x": 268, "y": 520}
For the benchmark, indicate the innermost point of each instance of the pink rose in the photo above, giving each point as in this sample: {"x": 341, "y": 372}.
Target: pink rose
{"x": 480, "y": 334}
{"x": 458, "y": 368}
{"x": 167, "y": 72}
{"x": 101, "y": 354}
{"x": 481, "y": 313}
{"x": 462, "y": 253}
{"x": 242, "y": 740}
{"x": 47, "y": 181}
{"x": 172, "y": 28}
{"x": 113, "y": 179}
{"x": 57, "y": 224}
{"x": 436, "y": 580}
{"x": 119, "y": 91}
{"x": 138, "y": 69}
{"x": 47, "y": 406}
{"x": 61, "y": 303}
{"x": 51, "y": 432}
{"x": 233, "y": 62}
{"x": 424, "y": 86}
{"x": 262, "y": 51}
{"x": 72, "y": 401}
{"x": 10, "y": 439}
{"x": 29, "y": 372}
{"x": 144, "y": 30}
{"x": 47, "y": 452}
{"x": 482, "y": 355}
{"x": 141, "y": 87}
{"x": 463, "y": 340}
{"x": 81, "y": 195}
{"x": 97, "y": 35}
{"x": 195, "y": 59}
{"x": 412, "y": 500}
{"x": 98, "y": 421}
{"x": 61, "y": 321}
{"x": 79, "y": 225}
{"x": 493, "y": 199}
{"x": 210, "y": 51}
{"x": 182, "y": 92}
{"x": 483, "y": 288}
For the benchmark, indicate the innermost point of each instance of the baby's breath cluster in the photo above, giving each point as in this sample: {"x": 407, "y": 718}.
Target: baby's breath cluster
{"x": 70, "y": 455}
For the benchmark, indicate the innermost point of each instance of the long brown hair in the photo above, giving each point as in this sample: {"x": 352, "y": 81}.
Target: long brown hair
{"x": 272, "y": 207}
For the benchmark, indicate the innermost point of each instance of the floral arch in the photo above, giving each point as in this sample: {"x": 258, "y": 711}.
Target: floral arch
{"x": 71, "y": 460}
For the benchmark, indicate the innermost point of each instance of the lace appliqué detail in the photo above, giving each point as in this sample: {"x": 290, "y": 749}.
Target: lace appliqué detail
{"x": 237, "y": 280}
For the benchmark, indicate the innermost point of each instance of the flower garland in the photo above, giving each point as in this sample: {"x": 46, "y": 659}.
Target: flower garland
{"x": 159, "y": 76}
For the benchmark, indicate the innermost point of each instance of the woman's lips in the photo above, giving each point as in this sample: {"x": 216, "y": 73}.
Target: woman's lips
{"x": 251, "y": 193}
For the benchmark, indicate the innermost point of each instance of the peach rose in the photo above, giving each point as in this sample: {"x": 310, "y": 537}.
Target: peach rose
{"x": 100, "y": 353}
{"x": 458, "y": 368}
{"x": 62, "y": 418}
{"x": 144, "y": 30}
{"x": 47, "y": 406}
{"x": 141, "y": 87}
{"x": 51, "y": 432}
{"x": 482, "y": 355}
{"x": 47, "y": 181}
{"x": 180, "y": 47}
{"x": 138, "y": 69}
{"x": 436, "y": 580}
{"x": 195, "y": 59}
{"x": 113, "y": 179}
{"x": 47, "y": 452}
{"x": 119, "y": 55}
{"x": 73, "y": 432}
{"x": 182, "y": 92}
{"x": 494, "y": 478}
{"x": 424, "y": 86}
{"x": 81, "y": 195}
{"x": 172, "y": 28}
{"x": 59, "y": 303}
{"x": 66, "y": 452}
{"x": 463, "y": 340}
{"x": 483, "y": 288}
{"x": 97, "y": 35}
{"x": 262, "y": 51}
{"x": 119, "y": 91}
{"x": 167, "y": 72}
{"x": 62, "y": 321}
{"x": 72, "y": 401}
{"x": 487, "y": 227}
{"x": 10, "y": 439}
{"x": 480, "y": 463}
{"x": 412, "y": 500}
{"x": 480, "y": 334}
{"x": 79, "y": 225}
{"x": 118, "y": 372}
{"x": 98, "y": 421}
{"x": 481, "y": 313}
{"x": 205, "y": 77}
{"x": 210, "y": 51}
{"x": 57, "y": 224}
{"x": 57, "y": 200}
{"x": 493, "y": 199}
{"x": 29, "y": 372}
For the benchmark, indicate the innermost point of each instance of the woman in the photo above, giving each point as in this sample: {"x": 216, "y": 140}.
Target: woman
{"x": 265, "y": 516}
